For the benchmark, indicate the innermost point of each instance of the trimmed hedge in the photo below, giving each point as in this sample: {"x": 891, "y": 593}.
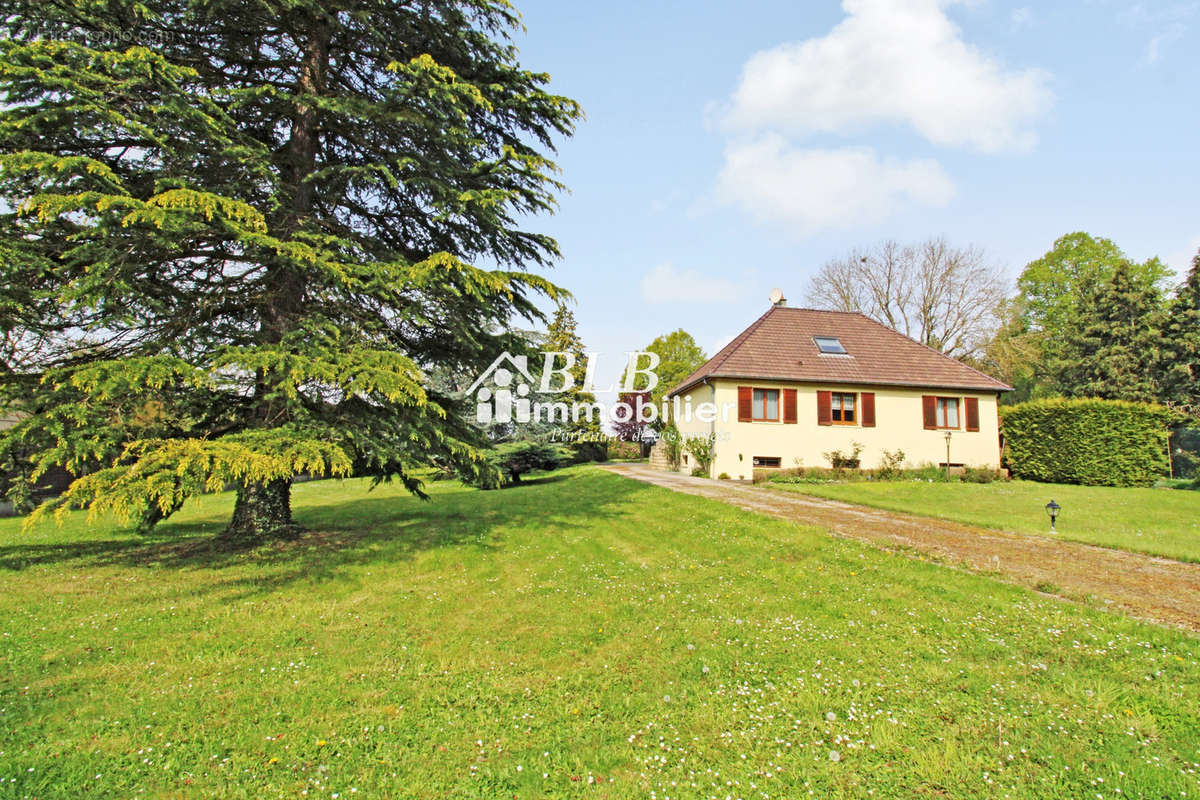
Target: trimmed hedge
{"x": 1087, "y": 441}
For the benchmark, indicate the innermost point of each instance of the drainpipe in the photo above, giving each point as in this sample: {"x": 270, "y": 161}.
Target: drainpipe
{"x": 712, "y": 426}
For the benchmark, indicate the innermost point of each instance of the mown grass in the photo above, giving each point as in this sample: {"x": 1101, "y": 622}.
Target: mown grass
{"x": 1161, "y": 522}
{"x": 582, "y": 636}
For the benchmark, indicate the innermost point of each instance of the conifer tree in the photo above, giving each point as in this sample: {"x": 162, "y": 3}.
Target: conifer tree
{"x": 1116, "y": 346}
{"x": 1180, "y": 371}
{"x": 235, "y": 236}
{"x": 562, "y": 336}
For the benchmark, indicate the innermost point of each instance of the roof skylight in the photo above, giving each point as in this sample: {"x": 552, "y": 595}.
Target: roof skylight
{"x": 830, "y": 345}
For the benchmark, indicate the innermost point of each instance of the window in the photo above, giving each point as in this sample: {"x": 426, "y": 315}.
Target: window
{"x": 843, "y": 406}
{"x": 947, "y": 412}
{"x": 767, "y": 461}
{"x": 830, "y": 345}
{"x": 766, "y": 405}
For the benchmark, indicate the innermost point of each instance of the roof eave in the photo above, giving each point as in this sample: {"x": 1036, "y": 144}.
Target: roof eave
{"x": 1001, "y": 387}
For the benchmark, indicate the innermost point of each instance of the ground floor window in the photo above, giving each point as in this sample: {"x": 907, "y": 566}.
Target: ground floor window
{"x": 766, "y": 405}
{"x": 843, "y": 406}
{"x": 947, "y": 412}
{"x": 767, "y": 461}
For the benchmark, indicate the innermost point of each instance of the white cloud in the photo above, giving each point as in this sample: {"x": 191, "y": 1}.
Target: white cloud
{"x": 891, "y": 61}
{"x": 1168, "y": 21}
{"x": 667, "y": 284}
{"x": 1021, "y": 18}
{"x": 812, "y": 190}
{"x": 1160, "y": 40}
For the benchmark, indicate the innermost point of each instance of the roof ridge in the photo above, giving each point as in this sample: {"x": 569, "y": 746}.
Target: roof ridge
{"x": 819, "y": 310}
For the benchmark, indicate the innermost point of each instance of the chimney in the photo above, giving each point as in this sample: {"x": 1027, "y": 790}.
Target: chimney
{"x": 777, "y": 298}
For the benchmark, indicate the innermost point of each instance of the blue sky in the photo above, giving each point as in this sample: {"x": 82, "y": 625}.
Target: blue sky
{"x": 730, "y": 148}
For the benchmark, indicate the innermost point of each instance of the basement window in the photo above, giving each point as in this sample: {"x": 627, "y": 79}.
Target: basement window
{"x": 767, "y": 461}
{"x": 830, "y": 345}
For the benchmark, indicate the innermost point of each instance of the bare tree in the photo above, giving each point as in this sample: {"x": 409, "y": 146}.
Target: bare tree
{"x": 944, "y": 296}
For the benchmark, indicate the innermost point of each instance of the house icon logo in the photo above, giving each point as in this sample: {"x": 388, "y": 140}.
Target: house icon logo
{"x": 497, "y": 399}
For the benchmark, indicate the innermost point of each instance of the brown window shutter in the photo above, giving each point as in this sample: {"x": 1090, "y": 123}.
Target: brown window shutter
{"x": 972, "y": 404}
{"x": 929, "y": 406}
{"x": 745, "y": 403}
{"x": 789, "y": 406}
{"x": 824, "y": 408}
{"x": 867, "y": 414}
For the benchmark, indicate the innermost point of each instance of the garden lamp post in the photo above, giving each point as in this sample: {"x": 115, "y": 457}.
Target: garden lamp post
{"x": 947, "y": 456}
{"x": 1052, "y": 508}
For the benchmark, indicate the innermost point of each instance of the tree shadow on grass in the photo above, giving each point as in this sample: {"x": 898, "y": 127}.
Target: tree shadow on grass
{"x": 356, "y": 531}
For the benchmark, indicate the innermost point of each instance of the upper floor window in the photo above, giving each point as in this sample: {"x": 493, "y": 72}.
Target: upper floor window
{"x": 947, "y": 412}
{"x": 766, "y": 405}
{"x": 830, "y": 345}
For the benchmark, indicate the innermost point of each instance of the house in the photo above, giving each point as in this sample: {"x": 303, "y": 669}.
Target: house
{"x": 799, "y": 383}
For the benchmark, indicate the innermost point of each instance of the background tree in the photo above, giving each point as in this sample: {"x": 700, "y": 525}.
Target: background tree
{"x": 1013, "y": 355}
{"x": 1052, "y": 287}
{"x": 1179, "y": 372}
{"x": 514, "y": 459}
{"x": 679, "y": 356}
{"x": 1114, "y": 347}
{"x": 586, "y": 436}
{"x": 633, "y": 429}
{"x": 267, "y": 224}
{"x": 943, "y": 296}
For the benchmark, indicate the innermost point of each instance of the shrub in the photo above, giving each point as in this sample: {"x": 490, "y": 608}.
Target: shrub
{"x": 1185, "y": 452}
{"x": 701, "y": 449}
{"x": 624, "y": 450}
{"x": 892, "y": 465}
{"x": 1087, "y": 441}
{"x": 511, "y": 460}
{"x": 672, "y": 445}
{"x": 980, "y": 475}
{"x": 724, "y": 476}
{"x": 839, "y": 460}
{"x": 597, "y": 450}
{"x": 929, "y": 473}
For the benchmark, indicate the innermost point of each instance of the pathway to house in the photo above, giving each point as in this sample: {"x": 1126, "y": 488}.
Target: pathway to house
{"x": 1148, "y": 587}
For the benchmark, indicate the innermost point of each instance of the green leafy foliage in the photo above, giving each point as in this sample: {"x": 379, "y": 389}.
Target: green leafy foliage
{"x": 519, "y": 458}
{"x": 1052, "y": 286}
{"x": 672, "y": 444}
{"x": 1087, "y": 441}
{"x": 1115, "y": 345}
{"x": 678, "y": 356}
{"x": 586, "y": 438}
{"x": 238, "y": 255}
{"x": 1180, "y": 364}
{"x": 703, "y": 450}
{"x": 839, "y": 460}
{"x": 891, "y": 465}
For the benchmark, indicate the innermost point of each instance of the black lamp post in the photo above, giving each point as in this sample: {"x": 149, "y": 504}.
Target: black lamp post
{"x": 947, "y": 456}
{"x": 1052, "y": 508}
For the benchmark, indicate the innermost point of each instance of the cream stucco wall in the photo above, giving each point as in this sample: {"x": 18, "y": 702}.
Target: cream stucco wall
{"x": 898, "y": 426}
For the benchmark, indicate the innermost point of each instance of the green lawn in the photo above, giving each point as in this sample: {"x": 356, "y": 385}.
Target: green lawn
{"x": 1164, "y": 522}
{"x": 582, "y": 636}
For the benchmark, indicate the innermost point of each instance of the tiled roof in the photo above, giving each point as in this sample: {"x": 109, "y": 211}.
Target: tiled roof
{"x": 779, "y": 346}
